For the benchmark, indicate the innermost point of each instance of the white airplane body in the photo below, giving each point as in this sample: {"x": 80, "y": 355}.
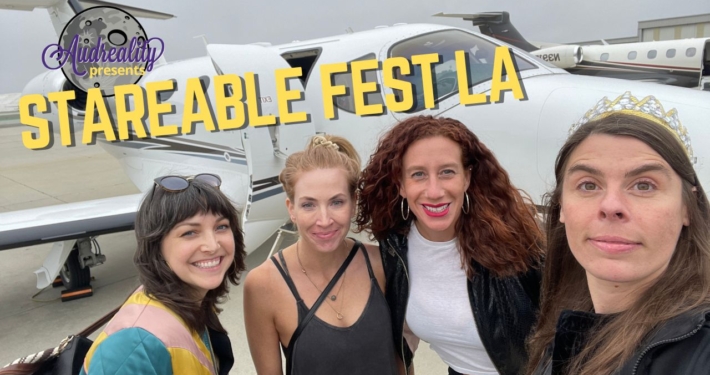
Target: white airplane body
{"x": 682, "y": 62}
{"x": 525, "y": 135}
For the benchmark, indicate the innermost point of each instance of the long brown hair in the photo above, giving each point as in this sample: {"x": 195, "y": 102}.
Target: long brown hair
{"x": 499, "y": 232}
{"x": 160, "y": 211}
{"x": 683, "y": 286}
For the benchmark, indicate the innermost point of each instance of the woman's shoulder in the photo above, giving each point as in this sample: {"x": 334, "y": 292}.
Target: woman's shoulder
{"x": 373, "y": 250}
{"x": 129, "y": 349}
{"x": 680, "y": 346}
{"x": 262, "y": 279}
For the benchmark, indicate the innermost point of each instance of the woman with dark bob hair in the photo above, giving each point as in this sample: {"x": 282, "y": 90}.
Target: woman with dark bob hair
{"x": 190, "y": 248}
{"x": 460, "y": 246}
{"x": 626, "y": 288}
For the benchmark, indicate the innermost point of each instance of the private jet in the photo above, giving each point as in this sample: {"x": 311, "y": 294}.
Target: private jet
{"x": 524, "y": 134}
{"x": 682, "y": 62}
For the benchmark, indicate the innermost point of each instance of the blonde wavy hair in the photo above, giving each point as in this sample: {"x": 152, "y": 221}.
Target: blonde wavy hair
{"x": 322, "y": 152}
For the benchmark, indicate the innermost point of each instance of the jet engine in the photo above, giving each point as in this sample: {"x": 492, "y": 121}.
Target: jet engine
{"x": 564, "y": 57}
{"x": 55, "y": 81}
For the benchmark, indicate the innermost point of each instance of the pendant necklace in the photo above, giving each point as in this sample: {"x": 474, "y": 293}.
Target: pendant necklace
{"x": 332, "y": 297}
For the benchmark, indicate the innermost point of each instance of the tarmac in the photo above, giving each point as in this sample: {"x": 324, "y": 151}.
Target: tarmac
{"x": 33, "y": 320}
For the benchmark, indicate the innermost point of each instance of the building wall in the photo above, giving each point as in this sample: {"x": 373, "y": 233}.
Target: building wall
{"x": 697, "y": 26}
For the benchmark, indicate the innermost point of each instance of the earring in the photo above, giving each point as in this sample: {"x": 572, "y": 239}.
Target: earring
{"x": 401, "y": 206}
{"x": 467, "y": 205}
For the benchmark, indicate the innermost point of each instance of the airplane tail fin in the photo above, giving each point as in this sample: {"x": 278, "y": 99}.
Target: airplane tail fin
{"x": 496, "y": 25}
{"x": 62, "y": 11}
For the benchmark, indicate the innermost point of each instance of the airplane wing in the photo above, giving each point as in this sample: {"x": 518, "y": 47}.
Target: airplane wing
{"x": 64, "y": 221}
{"x": 9, "y": 109}
{"x": 134, "y": 11}
{"x": 85, "y": 4}
{"x": 496, "y": 25}
{"x": 68, "y": 221}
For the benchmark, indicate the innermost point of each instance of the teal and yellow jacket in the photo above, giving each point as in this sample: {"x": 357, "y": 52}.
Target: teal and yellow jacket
{"x": 145, "y": 337}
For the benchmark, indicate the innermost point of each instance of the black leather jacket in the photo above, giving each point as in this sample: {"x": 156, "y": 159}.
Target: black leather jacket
{"x": 504, "y": 309}
{"x": 681, "y": 346}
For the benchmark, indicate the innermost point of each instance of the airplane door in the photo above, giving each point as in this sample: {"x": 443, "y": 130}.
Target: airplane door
{"x": 265, "y": 147}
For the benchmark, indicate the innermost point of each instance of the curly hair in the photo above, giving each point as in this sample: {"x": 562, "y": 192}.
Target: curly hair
{"x": 500, "y": 232}
{"x": 160, "y": 211}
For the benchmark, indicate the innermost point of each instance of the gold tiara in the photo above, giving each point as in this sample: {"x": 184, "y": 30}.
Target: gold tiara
{"x": 649, "y": 108}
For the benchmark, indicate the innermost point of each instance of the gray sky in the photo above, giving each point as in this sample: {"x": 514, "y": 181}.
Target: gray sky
{"x": 25, "y": 34}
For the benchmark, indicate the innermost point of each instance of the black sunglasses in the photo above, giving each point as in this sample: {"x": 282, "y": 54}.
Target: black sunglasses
{"x": 176, "y": 184}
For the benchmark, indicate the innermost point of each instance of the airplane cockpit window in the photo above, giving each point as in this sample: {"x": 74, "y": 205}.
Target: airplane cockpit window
{"x": 632, "y": 55}
{"x": 651, "y": 54}
{"x": 690, "y": 52}
{"x": 604, "y": 57}
{"x": 670, "y": 53}
{"x": 479, "y": 53}
{"x": 347, "y": 102}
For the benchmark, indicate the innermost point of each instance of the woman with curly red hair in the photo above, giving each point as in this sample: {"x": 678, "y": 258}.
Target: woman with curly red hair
{"x": 460, "y": 247}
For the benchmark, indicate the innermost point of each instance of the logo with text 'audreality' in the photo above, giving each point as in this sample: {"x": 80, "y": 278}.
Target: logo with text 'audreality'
{"x": 103, "y": 47}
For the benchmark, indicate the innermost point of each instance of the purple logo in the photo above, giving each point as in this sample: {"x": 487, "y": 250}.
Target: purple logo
{"x": 103, "y": 47}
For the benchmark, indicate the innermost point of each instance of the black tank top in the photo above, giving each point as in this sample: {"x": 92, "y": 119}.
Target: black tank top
{"x": 364, "y": 348}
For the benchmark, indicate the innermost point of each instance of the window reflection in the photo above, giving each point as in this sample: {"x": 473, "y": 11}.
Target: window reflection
{"x": 347, "y": 102}
{"x": 479, "y": 53}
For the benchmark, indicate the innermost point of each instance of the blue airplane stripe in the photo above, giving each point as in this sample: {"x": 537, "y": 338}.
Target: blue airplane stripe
{"x": 267, "y": 194}
{"x": 214, "y": 157}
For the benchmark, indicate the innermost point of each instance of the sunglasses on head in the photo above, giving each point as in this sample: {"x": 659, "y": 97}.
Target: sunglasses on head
{"x": 178, "y": 183}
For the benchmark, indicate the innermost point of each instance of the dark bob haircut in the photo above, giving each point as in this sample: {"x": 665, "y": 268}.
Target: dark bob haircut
{"x": 160, "y": 211}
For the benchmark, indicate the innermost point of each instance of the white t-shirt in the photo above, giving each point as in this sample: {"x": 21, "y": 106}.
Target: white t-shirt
{"x": 439, "y": 309}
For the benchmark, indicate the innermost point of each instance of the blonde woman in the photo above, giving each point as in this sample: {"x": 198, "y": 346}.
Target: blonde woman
{"x": 320, "y": 299}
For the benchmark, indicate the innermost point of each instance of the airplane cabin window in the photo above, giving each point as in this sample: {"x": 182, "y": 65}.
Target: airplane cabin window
{"x": 347, "y": 102}
{"x": 670, "y": 53}
{"x": 479, "y": 53}
{"x": 651, "y": 54}
{"x": 303, "y": 59}
{"x": 604, "y": 57}
{"x": 690, "y": 52}
{"x": 632, "y": 55}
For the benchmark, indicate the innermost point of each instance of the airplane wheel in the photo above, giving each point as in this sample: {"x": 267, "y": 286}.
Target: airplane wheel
{"x": 73, "y": 276}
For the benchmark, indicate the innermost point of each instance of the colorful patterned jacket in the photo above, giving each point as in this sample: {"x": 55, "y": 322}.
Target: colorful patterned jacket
{"x": 145, "y": 337}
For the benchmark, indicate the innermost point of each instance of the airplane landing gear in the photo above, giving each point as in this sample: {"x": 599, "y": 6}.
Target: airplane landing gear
{"x": 73, "y": 275}
{"x": 76, "y": 271}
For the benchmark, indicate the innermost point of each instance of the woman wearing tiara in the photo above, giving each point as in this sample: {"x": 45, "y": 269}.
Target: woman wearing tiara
{"x": 321, "y": 298}
{"x": 626, "y": 286}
